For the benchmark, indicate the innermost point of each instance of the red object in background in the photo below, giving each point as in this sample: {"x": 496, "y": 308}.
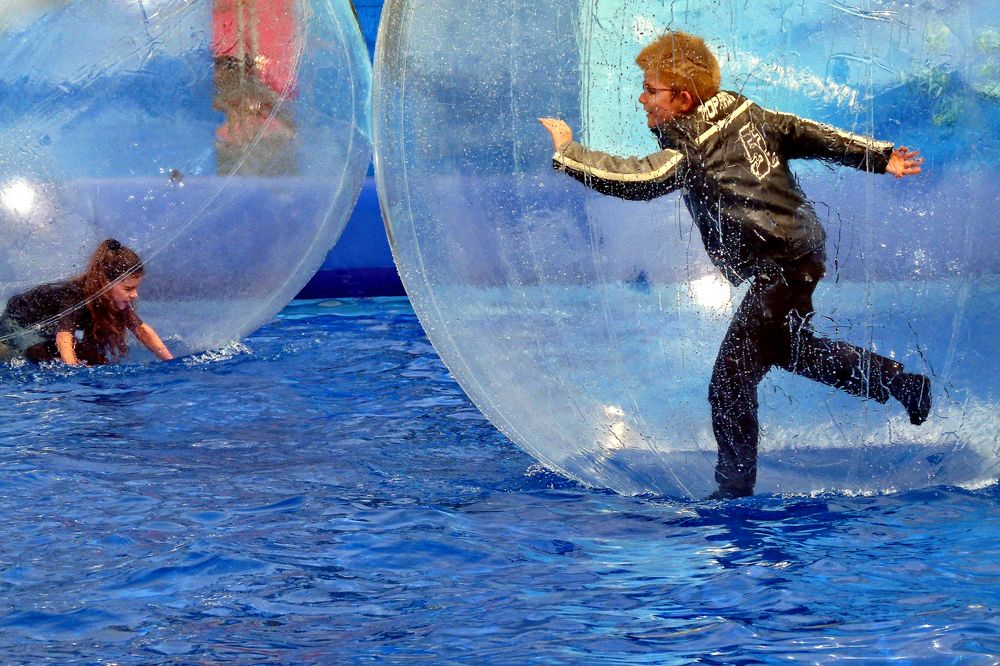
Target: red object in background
{"x": 262, "y": 32}
{"x": 255, "y": 45}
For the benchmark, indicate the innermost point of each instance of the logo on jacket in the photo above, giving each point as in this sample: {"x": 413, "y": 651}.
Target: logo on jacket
{"x": 760, "y": 159}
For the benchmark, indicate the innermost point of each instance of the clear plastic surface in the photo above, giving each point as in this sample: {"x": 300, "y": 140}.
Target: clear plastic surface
{"x": 226, "y": 142}
{"x": 585, "y": 327}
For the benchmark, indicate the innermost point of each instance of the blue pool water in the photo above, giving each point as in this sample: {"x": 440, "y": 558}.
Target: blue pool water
{"x": 324, "y": 493}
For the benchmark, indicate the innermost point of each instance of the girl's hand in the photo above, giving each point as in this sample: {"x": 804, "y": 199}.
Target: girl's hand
{"x": 904, "y": 162}
{"x": 66, "y": 346}
{"x": 559, "y": 131}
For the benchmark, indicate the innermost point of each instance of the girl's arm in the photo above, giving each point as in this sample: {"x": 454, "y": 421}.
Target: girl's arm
{"x": 66, "y": 346}
{"x": 148, "y": 337}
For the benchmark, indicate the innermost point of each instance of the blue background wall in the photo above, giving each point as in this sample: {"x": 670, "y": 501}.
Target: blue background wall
{"x": 360, "y": 264}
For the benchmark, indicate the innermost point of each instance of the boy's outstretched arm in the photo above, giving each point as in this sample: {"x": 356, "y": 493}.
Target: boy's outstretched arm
{"x": 904, "y": 162}
{"x": 633, "y": 178}
{"x": 802, "y": 138}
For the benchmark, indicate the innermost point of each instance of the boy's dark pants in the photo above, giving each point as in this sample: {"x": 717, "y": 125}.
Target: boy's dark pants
{"x": 771, "y": 328}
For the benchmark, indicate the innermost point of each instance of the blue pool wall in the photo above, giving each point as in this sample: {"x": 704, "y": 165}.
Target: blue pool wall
{"x": 360, "y": 264}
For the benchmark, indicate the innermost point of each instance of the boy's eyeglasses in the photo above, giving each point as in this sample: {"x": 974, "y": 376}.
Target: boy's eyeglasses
{"x": 653, "y": 91}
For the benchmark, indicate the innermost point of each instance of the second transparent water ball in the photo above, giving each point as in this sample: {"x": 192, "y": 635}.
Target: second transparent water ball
{"x": 585, "y": 327}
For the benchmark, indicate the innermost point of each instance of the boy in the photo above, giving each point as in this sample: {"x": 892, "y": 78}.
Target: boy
{"x": 730, "y": 157}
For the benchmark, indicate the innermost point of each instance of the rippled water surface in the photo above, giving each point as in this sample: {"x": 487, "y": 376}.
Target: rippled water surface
{"x": 324, "y": 493}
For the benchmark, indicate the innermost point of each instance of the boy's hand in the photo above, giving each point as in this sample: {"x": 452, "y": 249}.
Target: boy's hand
{"x": 559, "y": 131}
{"x": 904, "y": 162}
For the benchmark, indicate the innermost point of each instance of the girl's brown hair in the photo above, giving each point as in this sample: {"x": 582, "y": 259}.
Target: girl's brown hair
{"x": 110, "y": 262}
{"x": 683, "y": 62}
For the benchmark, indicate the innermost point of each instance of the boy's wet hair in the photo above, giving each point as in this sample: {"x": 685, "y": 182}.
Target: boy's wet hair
{"x": 683, "y": 62}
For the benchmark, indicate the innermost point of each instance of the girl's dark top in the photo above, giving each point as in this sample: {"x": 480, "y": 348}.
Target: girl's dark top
{"x": 58, "y": 306}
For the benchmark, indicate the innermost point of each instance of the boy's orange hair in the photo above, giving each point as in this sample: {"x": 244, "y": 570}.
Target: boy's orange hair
{"x": 682, "y": 61}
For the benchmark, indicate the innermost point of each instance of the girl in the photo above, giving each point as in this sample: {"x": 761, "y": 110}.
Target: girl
{"x": 41, "y": 323}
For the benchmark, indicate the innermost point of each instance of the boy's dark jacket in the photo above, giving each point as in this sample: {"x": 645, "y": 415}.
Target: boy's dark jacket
{"x": 731, "y": 158}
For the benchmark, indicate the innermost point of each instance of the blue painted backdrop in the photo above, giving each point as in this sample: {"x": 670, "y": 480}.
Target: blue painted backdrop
{"x": 361, "y": 262}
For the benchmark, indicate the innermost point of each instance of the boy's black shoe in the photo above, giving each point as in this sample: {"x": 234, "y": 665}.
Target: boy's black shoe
{"x": 727, "y": 493}
{"x": 914, "y": 392}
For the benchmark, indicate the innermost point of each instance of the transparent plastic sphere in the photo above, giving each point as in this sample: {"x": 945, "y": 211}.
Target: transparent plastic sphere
{"x": 585, "y": 327}
{"x": 225, "y": 142}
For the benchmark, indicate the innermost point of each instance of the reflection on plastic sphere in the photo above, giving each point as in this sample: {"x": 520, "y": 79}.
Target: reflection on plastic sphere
{"x": 586, "y": 327}
{"x": 225, "y": 141}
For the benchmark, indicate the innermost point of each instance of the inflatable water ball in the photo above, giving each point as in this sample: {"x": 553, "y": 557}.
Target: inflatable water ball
{"x": 226, "y": 142}
{"x": 586, "y": 327}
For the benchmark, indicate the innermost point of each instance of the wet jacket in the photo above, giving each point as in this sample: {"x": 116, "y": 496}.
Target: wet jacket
{"x": 731, "y": 157}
